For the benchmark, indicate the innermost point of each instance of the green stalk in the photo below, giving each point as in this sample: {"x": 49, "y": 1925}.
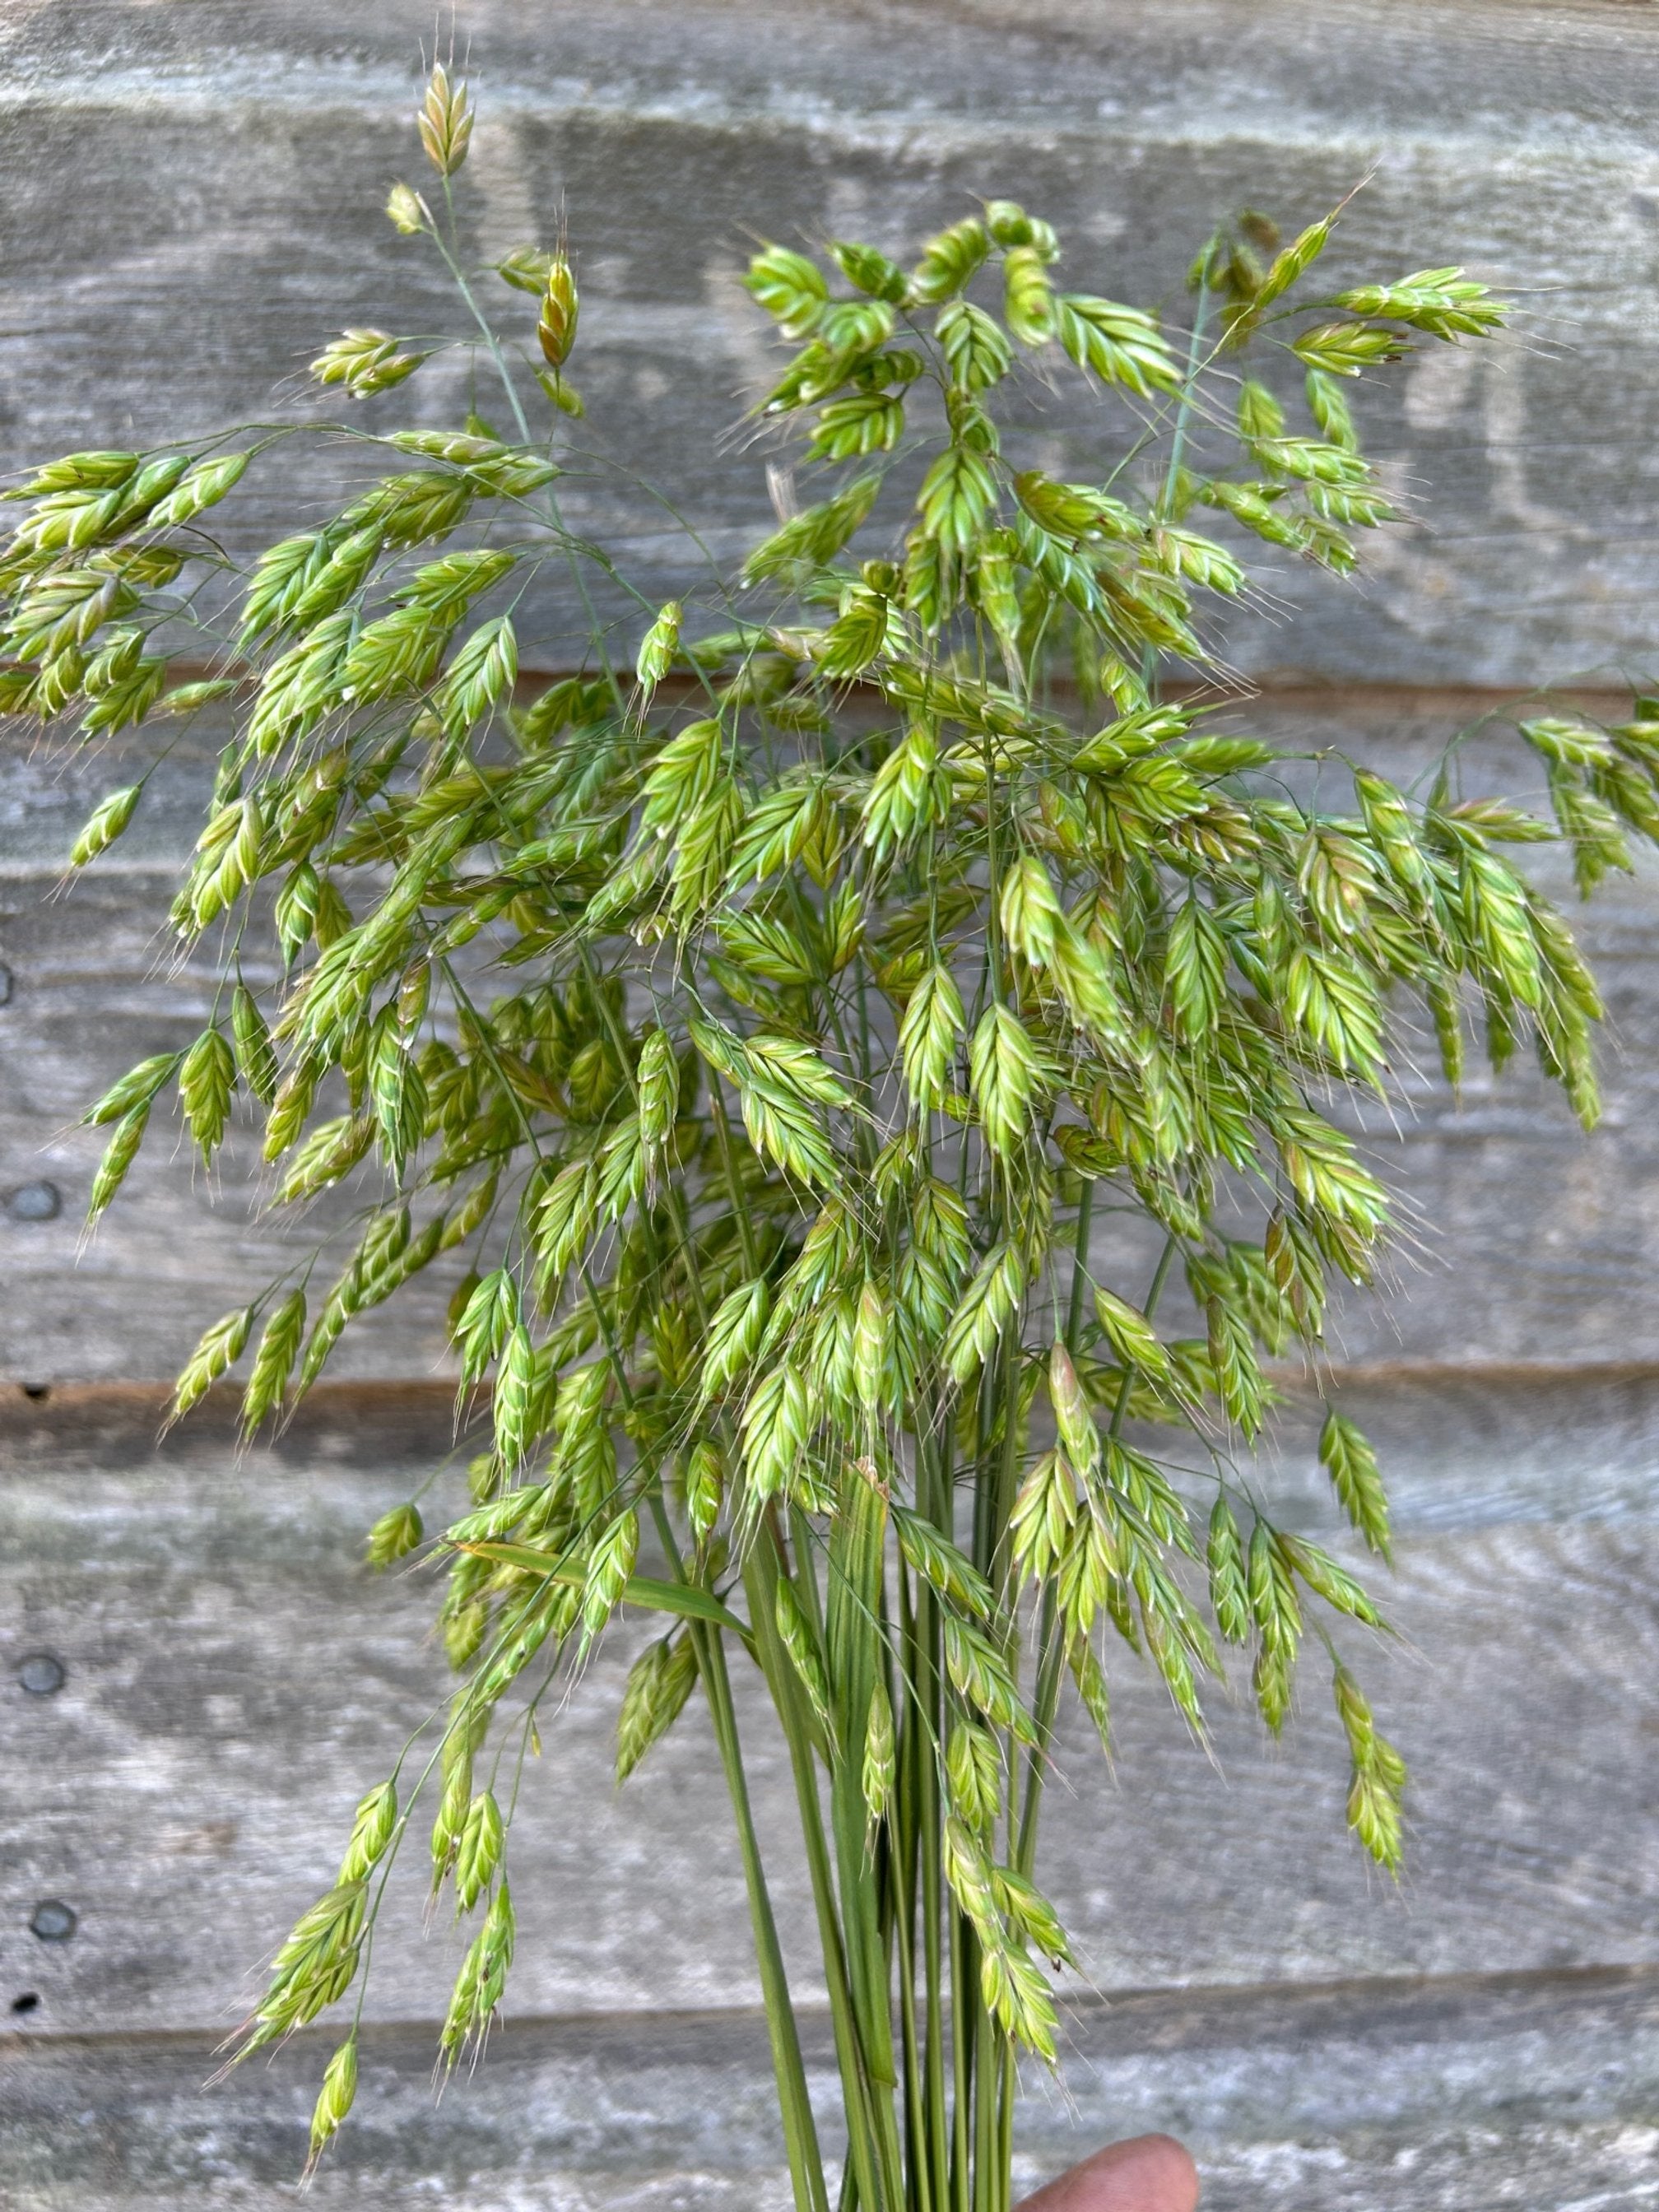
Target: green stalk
{"x": 1184, "y": 411}
{"x": 963, "y": 1994}
{"x": 799, "y": 2130}
{"x": 1008, "y": 2090}
{"x": 874, "y": 2152}
{"x": 928, "y": 1720}
{"x": 855, "y": 1653}
{"x": 492, "y": 343}
{"x": 761, "y": 1570}
{"x": 903, "y": 1828}
{"x": 987, "y": 2133}
{"x": 1085, "y": 1215}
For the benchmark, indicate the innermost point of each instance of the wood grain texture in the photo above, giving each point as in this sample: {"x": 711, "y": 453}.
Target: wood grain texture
{"x": 94, "y": 989}
{"x": 234, "y": 1683}
{"x": 1522, "y": 1239}
{"x": 1438, "y": 2098}
{"x": 220, "y": 170}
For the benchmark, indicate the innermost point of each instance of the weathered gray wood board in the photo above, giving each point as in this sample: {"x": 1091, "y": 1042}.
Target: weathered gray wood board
{"x": 234, "y": 1683}
{"x": 1522, "y": 1239}
{"x": 1440, "y": 2098}
{"x": 194, "y": 202}
{"x": 94, "y": 989}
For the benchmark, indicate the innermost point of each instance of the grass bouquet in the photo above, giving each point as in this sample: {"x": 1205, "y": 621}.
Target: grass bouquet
{"x": 797, "y": 1021}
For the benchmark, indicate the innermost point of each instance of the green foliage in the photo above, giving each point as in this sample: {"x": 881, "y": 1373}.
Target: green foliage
{"x": 768, "y": 1064}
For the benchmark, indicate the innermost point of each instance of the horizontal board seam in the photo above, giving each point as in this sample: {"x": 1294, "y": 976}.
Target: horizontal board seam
{"x": 1380, "y": 1990}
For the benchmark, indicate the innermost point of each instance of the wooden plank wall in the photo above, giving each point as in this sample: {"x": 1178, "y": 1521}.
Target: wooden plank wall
{"x": 191, "y": 197}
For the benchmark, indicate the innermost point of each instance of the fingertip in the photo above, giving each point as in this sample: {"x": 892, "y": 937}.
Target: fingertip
{"x": 1175, "y": 2168}
{"x": 1146, "y": 2173}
